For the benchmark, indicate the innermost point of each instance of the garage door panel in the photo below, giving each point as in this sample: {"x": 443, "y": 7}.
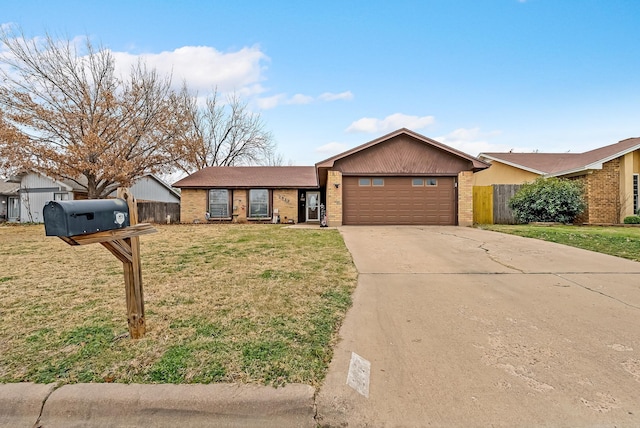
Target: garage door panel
{"x": 399, "y": 202}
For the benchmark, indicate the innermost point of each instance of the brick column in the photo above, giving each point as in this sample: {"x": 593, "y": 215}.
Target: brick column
{"x": 465, "y": 198}
{"x": 334, "y": 198}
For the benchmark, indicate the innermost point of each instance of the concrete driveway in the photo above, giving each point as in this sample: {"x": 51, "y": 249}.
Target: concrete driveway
{"x": 454, "y": 326}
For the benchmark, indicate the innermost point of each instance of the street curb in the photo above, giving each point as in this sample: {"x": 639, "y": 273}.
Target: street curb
{"x": 21, "y": 403}
{"x": 121, "y": 405}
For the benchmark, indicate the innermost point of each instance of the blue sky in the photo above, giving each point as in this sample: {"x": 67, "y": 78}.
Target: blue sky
{"x": 478, "y": 75}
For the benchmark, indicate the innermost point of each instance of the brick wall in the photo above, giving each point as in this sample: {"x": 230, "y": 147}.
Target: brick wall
{"x": 286, "y": 202}
{"x": 603, "y": 193}
{"x": 465, "y": 198}
{"x": 334, "y": 198}
{"x": 584, "y": 217}
{"x": 193, "y": 205}
{"x": 239, "y": 205}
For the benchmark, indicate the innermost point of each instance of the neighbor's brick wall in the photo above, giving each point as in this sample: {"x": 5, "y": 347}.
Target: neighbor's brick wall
{"x": 193, "y": 205}
{"x": 603, "y": 194}
{"x": 334, "y": 198}
{"x": 465, "y": 198}
{"x": 286, "y": 201}
{"x": 584, "y": 217}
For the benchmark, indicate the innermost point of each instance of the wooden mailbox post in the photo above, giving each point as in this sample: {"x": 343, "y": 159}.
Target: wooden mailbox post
{"x": 124, "y": 243}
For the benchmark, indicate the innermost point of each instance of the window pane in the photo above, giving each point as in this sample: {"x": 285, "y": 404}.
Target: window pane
{"x": 378, "y": 181}
{"x": 365, "y": 182}
{"x": 218, "y": 203}
{"x": 432, "y": 182}
{"x": 258, "y": 203}
{"x": 417, "y": 182}
{"x": 636, "y": 194}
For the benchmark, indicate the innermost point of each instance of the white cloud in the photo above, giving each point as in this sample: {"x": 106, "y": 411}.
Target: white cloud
{"x": 282, "y": 99}
{"x": 267, "y": 103}
{"x": 474, "y": 141}
{"x": 390, "y": 123}
{"x": 332, "y": 148}
{"x": 300, "y": 99}
{"x": 204, "y": 68}
{"x": 330, "y": 96}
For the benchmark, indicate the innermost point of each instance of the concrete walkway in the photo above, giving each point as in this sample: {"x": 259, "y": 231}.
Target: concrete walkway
{"x": 117, "y": 405}
{"x": 468, "y": 328}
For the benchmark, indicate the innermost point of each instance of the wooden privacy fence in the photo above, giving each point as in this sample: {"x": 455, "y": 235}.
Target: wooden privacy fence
{"x": 491, "y": 204}
{"x": 157, "y": 212}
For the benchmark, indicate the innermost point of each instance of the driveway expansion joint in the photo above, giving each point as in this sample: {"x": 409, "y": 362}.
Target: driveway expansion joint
{"x": 597, "y": 291}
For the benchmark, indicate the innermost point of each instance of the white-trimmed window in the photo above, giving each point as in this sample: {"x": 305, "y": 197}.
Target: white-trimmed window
{"x": 417, "y": 182}
{"x": 61, "y": 196}
{"x": 364, "y": 182}
{"x": 636, "y": 201}
{"x": 219, "y": 203}
{"x": 377, "y": 182}
{"x": 258, "y": 203}
{"x": 431, "y": 182}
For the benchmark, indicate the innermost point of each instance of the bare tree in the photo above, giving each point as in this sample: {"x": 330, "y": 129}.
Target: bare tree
{"x": 225, "y": 134}
{"x": 67, "y": 115}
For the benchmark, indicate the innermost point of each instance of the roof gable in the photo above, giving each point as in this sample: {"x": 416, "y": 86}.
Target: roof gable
{"x": 291, "y": 177}
{"x": 405, "y": 152}
{"x": 9, "y": 188}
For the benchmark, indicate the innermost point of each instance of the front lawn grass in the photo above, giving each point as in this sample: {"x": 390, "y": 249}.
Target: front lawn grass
{"x": 615, "y": 241}
{"x": 224, "y": 303}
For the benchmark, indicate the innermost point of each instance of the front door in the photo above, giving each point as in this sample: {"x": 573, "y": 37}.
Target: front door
{"x": 13, "y": 212}
{"x": 313, "y": 206}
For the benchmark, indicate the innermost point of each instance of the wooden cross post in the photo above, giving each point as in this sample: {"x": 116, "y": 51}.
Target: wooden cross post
{"x": 125, "y": 245}
{"x": 133, "y": 272}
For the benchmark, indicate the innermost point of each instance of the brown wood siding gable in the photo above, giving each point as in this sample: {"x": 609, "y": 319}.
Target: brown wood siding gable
{"x": 402, "y": 155}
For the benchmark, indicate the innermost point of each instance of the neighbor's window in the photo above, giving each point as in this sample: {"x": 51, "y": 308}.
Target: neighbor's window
{"x": 378, "y": 181}
{"x": 431, "y": 182}
{"x": 60, "y": 196}
{"x": 364, "y": 182}
{"x": 258, "y": 203}
{"x": 417, "y": 182}
{"x": 218, "y": 203}
{"x": 636, "y": 201}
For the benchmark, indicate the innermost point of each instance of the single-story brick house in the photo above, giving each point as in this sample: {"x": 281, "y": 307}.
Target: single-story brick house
{"x": 400, "y": 178}
{"x": 610, "y": 175}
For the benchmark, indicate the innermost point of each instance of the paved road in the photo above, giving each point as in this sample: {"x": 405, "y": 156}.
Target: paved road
{"x": 463, "y": 327}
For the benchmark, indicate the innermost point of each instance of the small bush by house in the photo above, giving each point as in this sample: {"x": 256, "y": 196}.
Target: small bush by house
{"x": 632, "y": 219}
{"x": 548, "y": 200}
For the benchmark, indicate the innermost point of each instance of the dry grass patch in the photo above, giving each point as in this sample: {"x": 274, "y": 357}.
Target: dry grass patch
{"x": 224, "y": 303}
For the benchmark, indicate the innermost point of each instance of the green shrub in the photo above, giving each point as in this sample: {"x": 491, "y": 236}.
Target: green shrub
{"x": 549, "y": 200}
{"x": 632, "y": 219}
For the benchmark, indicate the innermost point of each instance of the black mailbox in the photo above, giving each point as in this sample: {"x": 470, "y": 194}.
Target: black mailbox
{"x": 70, "y": 218}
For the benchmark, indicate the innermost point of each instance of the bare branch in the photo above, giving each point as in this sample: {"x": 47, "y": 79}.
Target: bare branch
{"x": 66, "y": 114}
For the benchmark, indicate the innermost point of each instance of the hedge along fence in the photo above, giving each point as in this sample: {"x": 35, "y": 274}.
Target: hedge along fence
{"x": 491, "y": 204}
{"x": 157, "y": 212}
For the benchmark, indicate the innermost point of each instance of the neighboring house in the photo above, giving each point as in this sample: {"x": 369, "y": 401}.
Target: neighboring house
{"x": 400, "y": 178}
{"x": 9, "y": 201}
{"x": 152, "y": 188}
{"x": 610, "y": 175}
{"x": 35, "y": 190}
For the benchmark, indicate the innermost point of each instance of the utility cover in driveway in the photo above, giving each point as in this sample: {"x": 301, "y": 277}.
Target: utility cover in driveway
{"x": 399, "y": 200}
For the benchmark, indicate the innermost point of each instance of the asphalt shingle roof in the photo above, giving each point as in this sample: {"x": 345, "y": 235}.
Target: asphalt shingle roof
{"x": 556, "y": 163}
{"x": 290, "y": 177}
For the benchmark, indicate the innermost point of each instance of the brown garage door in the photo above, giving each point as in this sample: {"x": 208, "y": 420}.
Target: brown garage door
{"x": 399, "y": 200}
